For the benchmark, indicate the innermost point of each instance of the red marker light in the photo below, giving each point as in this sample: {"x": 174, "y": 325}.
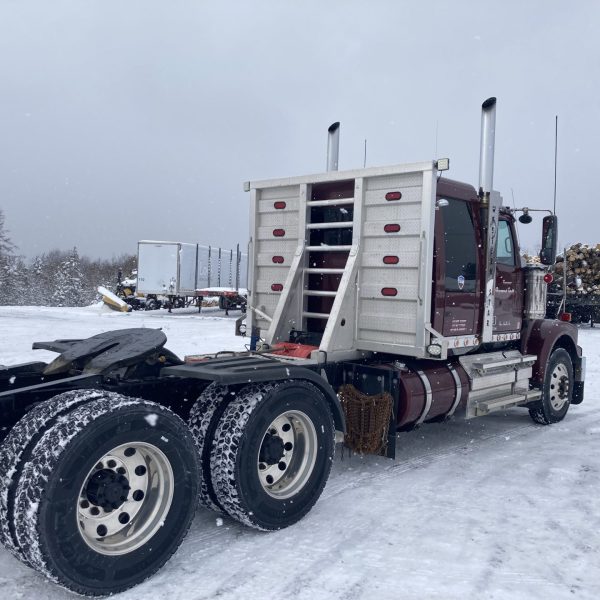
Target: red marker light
{"x": 548, "y": 278}
{"x": 566, "y": 317}
{"x": 278, "y": 232}
{"x": 389, "y": 291}
{"x": 393, "y": 196}
{"x": 278, "y": 260}
{"x": 277, "y": 287}
{"x": 392, "y": 228}
{"x": 279, "y": 205}
{"x": 391, "y": 260}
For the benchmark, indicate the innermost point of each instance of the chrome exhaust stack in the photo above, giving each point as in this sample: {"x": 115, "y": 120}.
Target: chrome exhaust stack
{"x": 488, "y": 139}
{"x": 490, "y": 203}
{"x": 333, "y": 146}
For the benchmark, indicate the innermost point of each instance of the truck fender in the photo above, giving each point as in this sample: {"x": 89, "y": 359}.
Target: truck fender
{"x": 241, "y": 370}
{"x": 334, "y": 403}
{"x": 542, "y": 336}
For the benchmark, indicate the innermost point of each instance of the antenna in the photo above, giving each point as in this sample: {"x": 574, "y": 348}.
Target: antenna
{"x": 555, "y": 157}
{"x": 513, "y": 197}
{"x": 365, "y": 158}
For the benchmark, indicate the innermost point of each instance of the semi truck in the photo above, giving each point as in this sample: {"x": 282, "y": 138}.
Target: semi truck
{"x": 380, "y": 299}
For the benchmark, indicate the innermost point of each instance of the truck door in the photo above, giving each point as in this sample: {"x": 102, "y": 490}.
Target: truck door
{"x": 456, "y": 265}
{"x": 508, "y": 307}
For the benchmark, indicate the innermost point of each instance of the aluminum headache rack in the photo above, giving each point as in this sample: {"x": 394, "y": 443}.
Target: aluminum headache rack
{"x": 345, "y": 256}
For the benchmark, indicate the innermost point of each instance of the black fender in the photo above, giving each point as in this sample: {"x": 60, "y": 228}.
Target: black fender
{"x": 241, "y": 370}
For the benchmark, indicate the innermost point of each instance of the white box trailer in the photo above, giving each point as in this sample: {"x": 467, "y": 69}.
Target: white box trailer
{"x": 182, "y": 269}
{"x": 167, "y": 268}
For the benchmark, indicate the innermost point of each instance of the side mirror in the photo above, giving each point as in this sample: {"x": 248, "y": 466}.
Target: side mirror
{"x": 549, "y": 240}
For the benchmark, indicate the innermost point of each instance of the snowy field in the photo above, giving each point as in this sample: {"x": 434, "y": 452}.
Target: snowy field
{"x": 492, "y": 508}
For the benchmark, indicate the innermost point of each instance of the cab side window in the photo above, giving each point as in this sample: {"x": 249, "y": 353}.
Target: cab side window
{"x": 505, "y": 250}
{"x": 460, "y": 247}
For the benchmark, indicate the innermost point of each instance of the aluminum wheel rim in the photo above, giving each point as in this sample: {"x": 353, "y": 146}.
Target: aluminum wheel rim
{"x": 122, "y": 529}
{"x": 298, "y": 442}
{"x": 559, "y": 387}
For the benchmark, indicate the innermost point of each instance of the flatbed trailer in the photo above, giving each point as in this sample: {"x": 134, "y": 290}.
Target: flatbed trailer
{"x": 229, "y": 298}
{"x": 379, "y": 300}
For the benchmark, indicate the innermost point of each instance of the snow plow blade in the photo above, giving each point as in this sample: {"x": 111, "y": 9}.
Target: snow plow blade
{"x": 112, "y": 300}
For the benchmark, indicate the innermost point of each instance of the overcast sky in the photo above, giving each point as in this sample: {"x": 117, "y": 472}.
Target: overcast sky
{"x": 133, "y": 120}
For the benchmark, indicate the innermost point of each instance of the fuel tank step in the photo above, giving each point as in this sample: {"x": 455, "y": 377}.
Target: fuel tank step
{"x": 488, "y": 406}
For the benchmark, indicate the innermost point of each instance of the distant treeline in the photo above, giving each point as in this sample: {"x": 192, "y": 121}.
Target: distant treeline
{"x": 55, "y": 278}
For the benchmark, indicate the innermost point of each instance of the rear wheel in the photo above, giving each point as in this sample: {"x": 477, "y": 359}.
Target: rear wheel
{"x": 272, "y": 453}
{"x": 107, "y": 494}
{"x": 557, "y": 391}
{"x": 152, "y": 304}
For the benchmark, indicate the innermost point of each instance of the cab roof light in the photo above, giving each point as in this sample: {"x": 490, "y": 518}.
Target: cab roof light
{"x": 442, "y": 164}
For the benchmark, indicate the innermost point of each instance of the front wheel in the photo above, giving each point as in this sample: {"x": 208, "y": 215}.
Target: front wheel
{"x": 557, "y": 391}
{"x": 107, "y": 494}
{"x": 272, "y": 453}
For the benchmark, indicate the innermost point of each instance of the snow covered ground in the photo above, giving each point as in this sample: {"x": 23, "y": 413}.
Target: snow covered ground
{"x": 493, "y": 508}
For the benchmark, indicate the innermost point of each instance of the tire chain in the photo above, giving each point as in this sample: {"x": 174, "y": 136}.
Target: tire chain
{"x": 200, "y": 419}
{"x": 224, "y": 449}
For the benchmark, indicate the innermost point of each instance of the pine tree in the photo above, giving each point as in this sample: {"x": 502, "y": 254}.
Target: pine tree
{"x": 15, "y": 280}
{"x": 6, "y": 258}
{"x": 6, "y": 245}
{"x": 40, "y": 282}
{"x": 69, "y": 279}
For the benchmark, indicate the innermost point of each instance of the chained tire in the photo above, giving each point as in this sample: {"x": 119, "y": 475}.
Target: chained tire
{"x": 272, "y": 453}
{"x": 557, "y": 390}
{"x": 105, "y": 493}
{"x": 203, "y": 420}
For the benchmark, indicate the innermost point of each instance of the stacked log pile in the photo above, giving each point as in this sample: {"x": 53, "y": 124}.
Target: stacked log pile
{"x": 582, "y": 265}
